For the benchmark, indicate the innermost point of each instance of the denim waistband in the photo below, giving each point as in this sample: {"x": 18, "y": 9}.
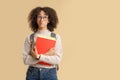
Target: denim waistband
{"x": 41, "y": 68}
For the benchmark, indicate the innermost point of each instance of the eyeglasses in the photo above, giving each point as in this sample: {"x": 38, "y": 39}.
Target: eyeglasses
{"x": 44, "y": 17}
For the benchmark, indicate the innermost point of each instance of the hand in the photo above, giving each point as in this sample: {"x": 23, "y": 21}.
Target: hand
{"x": 51, "y": 52}
{"x": 34, "y": 53}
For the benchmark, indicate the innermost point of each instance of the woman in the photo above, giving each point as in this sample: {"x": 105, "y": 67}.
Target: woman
{"x": 42, "y": 21}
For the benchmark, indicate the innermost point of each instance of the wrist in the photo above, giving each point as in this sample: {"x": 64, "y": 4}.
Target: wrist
{"x": 38, "y": 57}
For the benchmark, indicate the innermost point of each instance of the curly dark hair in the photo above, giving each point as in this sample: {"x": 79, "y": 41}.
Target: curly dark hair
{"x": 52, "y": 17}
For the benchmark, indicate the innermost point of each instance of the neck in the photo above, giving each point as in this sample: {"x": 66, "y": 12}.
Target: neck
{"x": 42, "y": 28}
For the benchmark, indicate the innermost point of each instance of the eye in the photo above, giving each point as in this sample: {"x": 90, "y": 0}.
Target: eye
{"x": 42, "y": 17}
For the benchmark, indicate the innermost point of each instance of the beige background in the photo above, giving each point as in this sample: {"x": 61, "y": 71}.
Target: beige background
{"x": 90, "y": 31}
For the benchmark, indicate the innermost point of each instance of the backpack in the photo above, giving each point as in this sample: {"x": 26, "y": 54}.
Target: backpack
{"x": 33, "y": 44}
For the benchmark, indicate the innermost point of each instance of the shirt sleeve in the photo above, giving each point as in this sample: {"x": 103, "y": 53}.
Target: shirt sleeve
{"x": 27, "y": 58}
{"x": 56, "y": 58}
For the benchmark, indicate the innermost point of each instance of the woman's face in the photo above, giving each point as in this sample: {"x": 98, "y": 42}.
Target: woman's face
{"x": 42, "y": 20}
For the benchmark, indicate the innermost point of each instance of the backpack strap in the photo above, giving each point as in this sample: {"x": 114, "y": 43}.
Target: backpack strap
{"x": 32, "y": 40}
{"x": 53, "y": 35}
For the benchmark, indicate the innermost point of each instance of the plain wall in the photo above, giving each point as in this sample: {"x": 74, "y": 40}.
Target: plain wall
{"x": 90, "y": 32}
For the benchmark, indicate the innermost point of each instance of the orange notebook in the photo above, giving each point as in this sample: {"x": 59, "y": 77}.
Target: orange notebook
{"x": 43, "y": 45}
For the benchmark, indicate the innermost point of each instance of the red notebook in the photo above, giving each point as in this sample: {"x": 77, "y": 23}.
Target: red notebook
{"x": 43, "y": 45}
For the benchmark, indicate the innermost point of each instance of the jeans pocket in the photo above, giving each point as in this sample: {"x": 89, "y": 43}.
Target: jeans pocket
{"x": 52, "y": 74}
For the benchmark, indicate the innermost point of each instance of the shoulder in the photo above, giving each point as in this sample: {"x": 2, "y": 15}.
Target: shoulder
{"x": 58, "y": 37}
{"x": 56, "y": 34}
{"x": 28, "y": 37}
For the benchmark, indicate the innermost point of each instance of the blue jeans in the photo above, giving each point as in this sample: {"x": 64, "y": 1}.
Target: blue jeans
{"x": 34, "y": 73}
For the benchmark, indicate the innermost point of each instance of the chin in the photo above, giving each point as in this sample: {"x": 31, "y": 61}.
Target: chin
{"x": 42, "y": 26}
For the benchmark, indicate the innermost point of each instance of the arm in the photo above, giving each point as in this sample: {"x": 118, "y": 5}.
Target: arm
{"x": 27, "y": 58}
{"x": 54, "y": 59}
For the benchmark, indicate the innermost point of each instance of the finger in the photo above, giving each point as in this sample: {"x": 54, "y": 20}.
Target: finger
{"x": 52, "y": 49}
{"x": 32, "y": 50}
{"x": 36, "y": 50}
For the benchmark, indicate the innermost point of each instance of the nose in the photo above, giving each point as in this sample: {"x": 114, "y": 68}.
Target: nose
{"x": 41, "y": 19}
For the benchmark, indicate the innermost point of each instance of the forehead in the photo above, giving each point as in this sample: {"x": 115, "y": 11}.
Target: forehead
{"x": 42, "y": 13}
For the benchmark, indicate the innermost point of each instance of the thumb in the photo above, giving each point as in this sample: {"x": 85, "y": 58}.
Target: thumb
{"x": 53, "y": 48}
